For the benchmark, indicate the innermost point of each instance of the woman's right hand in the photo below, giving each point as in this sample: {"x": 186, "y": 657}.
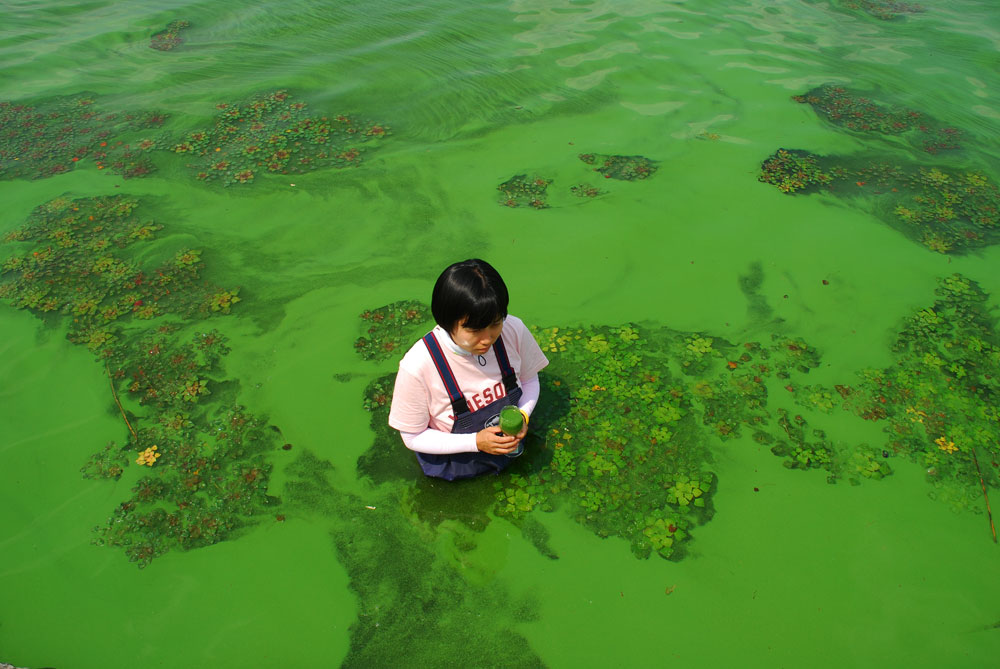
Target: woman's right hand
{"x": 493, "y": 441}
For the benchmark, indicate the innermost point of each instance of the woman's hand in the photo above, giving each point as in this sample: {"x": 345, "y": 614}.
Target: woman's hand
{"x": 493, "y": 441}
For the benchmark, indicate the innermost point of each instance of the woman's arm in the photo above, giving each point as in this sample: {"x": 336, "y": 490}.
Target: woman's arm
{"x": 437, "y": 442}
{"x": 529, "y": 394}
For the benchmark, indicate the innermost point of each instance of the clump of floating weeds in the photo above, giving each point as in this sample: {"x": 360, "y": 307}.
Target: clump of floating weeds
{"x": 169, "y": 38}
{"x": 51, "y": 137}
{"x": 851, "y": 110}
{"x": 625, "y": 168}
{"x": 939, "y": 400}
{"x": 792, "y": 171}
{"x": 624, "y": 451}
{"x": 205, "y": 473}
{"x": 585, "y": 190}
{"x": 79, "y": 266}
{"x": 390, "y": 329}
{"x": 272, "y": 134}
{"x": 884, "y": 9}
{"x": 520, "y": 190}
{"x": 946, "y": 210}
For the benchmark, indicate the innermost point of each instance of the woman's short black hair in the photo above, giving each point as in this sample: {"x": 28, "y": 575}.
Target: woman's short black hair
{"x": 470, "y": 290}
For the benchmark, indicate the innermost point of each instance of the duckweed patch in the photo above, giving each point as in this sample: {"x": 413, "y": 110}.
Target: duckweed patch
{"x": 272, "y": 134}
{"x": 202, "y": 468}
{"x": 948, "y": 211}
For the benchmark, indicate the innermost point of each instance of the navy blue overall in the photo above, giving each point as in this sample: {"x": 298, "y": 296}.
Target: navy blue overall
{"x": 466, "y": 465}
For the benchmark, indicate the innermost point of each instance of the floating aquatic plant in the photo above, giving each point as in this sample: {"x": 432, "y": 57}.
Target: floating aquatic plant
{"x": 792, "y": 170}
{"x": 946, "y": 210}
{"x": 51, "y": 137}
{"x": 585, "y": 190}
{"x": 205, "y": 473}
{"x": 886, "y": 10}
{"x": 170, "y": 37}
{"x": 856, "y": 112}
{"x": 519, "y": 191}
{"x": 625, "y": 168}
{"x": 78, "y": 263}
{"x": 389, "y": 329}
{"x": 624, "y": 445}
{"x": 939, "y": 399}
{"x": 272, "y": 134}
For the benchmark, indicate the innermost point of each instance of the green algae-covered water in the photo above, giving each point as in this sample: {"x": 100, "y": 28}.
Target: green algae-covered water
{"x": 757, "y": 240}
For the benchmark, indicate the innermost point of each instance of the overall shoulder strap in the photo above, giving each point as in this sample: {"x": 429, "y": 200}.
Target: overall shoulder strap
{"x": 458, "y": 403}
{"x": 509, "y": 377}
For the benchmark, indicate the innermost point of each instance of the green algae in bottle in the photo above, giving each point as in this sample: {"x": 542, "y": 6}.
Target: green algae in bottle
{"x": 511, "y": 423}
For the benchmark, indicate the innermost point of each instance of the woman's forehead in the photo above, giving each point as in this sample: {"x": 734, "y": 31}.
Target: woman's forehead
{"x": 464, "y": 320}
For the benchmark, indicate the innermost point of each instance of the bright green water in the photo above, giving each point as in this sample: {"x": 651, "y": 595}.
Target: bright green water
{"x": 800, "y": 574}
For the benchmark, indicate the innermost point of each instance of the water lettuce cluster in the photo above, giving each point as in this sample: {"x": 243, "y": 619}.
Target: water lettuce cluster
{"x": 206, "y": 473}
{"x": 389, "y": 329}
{"x": 852, "y": 110}
{"x": 625, "y": 168}
{"x": 520, "y": 190}
{"x": 792, "y": 170}
{"x": 52, "y": 136}
{"x": 79, "y": 262}
{"x": 585, "y": 190}
{"x": 939, "y": 400}
{"x": 886, "y": 10}
{"x": 948, "y": 211}
{"x": 170, "y": 37}
{"x": 272, "y": 134}
{"x": 623, "y": 440}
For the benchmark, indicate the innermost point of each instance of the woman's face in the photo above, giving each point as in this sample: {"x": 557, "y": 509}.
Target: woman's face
{"x": 476, "y": 342}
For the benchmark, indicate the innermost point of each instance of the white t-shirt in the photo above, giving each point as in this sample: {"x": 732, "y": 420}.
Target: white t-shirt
{"x": 420, "y": 399}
